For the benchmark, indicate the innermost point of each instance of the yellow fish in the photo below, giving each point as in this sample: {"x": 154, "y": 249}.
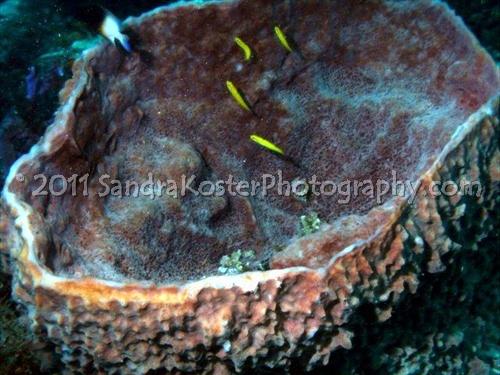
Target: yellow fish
{"x": 233, "y": 90}
{"x": 266, "y": 144}
{"x": 247, "y": 51}
{"x": 282, "y": 38}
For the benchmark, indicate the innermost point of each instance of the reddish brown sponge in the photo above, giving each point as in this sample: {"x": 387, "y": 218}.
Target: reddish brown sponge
{"x": 372, "y": 90}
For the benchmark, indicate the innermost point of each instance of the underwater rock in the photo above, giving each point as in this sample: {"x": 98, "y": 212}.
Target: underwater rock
{"x": 371, "y": 90}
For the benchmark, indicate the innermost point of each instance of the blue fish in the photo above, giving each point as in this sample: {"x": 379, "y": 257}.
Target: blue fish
{"x": 31, "y": 83}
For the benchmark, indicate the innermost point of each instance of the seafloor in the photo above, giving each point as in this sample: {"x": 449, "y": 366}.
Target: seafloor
{"x": 451, "y": 328}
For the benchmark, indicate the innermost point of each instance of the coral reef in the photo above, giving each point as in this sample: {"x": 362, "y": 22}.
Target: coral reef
{"x": 15, "y": 338}
{"x": 34, "y": 63}
{"x": 449, "y": 327}
{"x": 127, "y": 284}
{"x": 43, "y": 41}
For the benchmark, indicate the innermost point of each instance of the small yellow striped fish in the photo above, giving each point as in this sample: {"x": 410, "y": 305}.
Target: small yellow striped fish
{"x": 282, "y": 38}
{"x": 266, "y": 144}
{"x": 236, "y": 95}
{"x": 247, "y": 51}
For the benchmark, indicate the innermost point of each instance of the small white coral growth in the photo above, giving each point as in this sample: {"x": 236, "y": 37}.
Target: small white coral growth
{"x": 309, "y": 223}
{"x": 239, "y": 262}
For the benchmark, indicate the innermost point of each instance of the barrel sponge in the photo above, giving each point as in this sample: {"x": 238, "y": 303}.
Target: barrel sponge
{"x": 350, "y": 91}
